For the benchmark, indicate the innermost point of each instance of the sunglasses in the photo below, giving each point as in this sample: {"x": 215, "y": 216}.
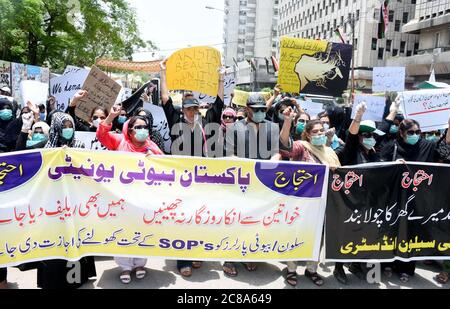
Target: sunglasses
{"x": 240, "y": 118}
{"x": 258, "y": 110}
{"x": 96, "y": 118}
{"x": 411, "y": 133}
{"x": 139, "y": 128}
{"x": 229, "y": 118}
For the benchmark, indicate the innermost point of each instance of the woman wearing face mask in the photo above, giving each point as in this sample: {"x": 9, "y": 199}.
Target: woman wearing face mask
{"x": 135, "y": 138}
{"x": 98, "y": 114}
{"x": 53, "y": 274}
{"x": 9, "y": 126}
{"x": 409, "y": 146}
{"x": 312, "y": 148}
{"x": 120, "y": 121}
{"x": 36, "y": 140}
{"x": 155, "y": 136}
{"x": 299, "y": 128}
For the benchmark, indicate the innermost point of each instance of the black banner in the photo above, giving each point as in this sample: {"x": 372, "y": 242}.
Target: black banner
{"x": 389, "y": 212}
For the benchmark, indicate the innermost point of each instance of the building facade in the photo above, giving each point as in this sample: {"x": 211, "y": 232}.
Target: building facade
{"x": 250, "y": 33}
{"x": 318, "y": 19}
{"x": 432, "y": 25}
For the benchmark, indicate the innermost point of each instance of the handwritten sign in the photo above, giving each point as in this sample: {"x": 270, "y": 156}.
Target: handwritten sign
{"x": 64, "y": 87}
{"x": 431, "y": 108}
{"x": 388, "y": 79}
{"x": 375, "y": 107}
{"x": 34, "y": 91}
{"x": 194, "y": 69}
{"x": 229, "y": 85}
{"x": 160, "y": 124}
{"x": 240, "y": 97}
{"x": 90, "y": 140}
{"x": 103, "y": 92}
{"x": 311, "y": 108}
{"x": 5, "y": 74}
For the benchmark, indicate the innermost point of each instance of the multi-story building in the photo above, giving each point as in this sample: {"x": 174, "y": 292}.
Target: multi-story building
{"x": 432, "y": 24}
{"x": 250, "y": 33}
{"x": 318, "y": 19}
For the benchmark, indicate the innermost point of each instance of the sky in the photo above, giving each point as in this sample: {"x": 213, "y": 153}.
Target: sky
{"x": 176, "y": 24}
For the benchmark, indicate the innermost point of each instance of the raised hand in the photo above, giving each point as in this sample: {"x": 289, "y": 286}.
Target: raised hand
{"x": 81, "y": 94}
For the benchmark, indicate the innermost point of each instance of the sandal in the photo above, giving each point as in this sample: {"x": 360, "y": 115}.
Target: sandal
{"x": 404, "y": 278}
{"x": 229, "y": 270}
{"x": 291, "y": 278}
{"x": 442, "y": 278}
{"x": 125, "y": 277}
{"x": 251, "y": 267}
{"x": 197, "y": 265}
{"x": 186, "y": 271}
{"x": 315, "y": 278}
{"x": 141, "y": 273}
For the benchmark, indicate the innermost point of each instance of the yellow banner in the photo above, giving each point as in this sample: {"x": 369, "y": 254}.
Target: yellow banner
{"x": 240, "y": 97}
{"x": 293, "y": 65}
{"x": 67, "y": 204}
{"x": 194, "y": 69}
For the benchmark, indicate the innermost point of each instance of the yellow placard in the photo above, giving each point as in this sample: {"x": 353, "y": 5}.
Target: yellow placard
{"x": 294, "y": 67}
{"x": 194, "y": 69}
{"x": 240, "y": 97}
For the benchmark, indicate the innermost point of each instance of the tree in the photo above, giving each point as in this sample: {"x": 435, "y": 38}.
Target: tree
{"x": 67, "y": 32}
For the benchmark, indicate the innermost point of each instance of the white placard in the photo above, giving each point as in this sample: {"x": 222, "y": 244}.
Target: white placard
{"x": 311, "y": 108}
{"x": 375, "y": 107}
{"x": 63, "y": 88}
{"x": 34, "y": 91}
{"x": 388, "y": 79}
{"x": 90, "y": 140}
{"x": 431, "y": 108}
{"x": 229, "y": 85}
{"x": 160, "y": 124}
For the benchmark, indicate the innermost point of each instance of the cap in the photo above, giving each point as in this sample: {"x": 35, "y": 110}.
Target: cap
{"x": 370, "y": 127}
{"x": 256, "y": 101}
{"x": 191, "y": 103}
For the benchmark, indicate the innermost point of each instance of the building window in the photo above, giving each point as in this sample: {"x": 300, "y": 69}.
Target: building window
{"x": 380, "y": 53}
{"x": 388, "y": 45}
{"x": 405, "y": 17}
{"x": 416, "y": 48}
{"x": 402, "y": 46}
{"x": 437, "y": 40}
{"x": 397, "y": 25}
{"x": 356, "y": 44}
{"x": 409, "y": 53}
{"x": 391, "y": 16}
{"x": 374, "y": 44}
{"x": 395, "y": 52}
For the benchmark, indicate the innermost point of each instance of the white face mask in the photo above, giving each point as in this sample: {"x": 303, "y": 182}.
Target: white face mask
{"x": 96, "y": 123}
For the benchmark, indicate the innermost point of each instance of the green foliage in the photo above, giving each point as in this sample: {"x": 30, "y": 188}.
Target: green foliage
{"x": 61, "y": 33}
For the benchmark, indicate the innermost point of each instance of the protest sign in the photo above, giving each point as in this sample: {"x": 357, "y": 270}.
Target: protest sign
{"x": 194, "y": 69}
{"x": 375, "y": 107}
{"x": 388, "y": 212}
{"x": 21, "y": 72}
{"x": 64, "y": 87}
{"x": 102, "y": 90}
{"x": 240, "y": 97}
{"x": 388, "y": 79}
{"x": 123, "y": 204}
{"x": 5, "y": 74}
{"x": 311, "y": 108}
{"x": 314, "y": 66}
{"x": 90, "y": 140}
{"x": 34, "y": 92}
{"x": 160, "y": 124}
{"x": 177, "y": 98}
{"x": 431, "y": 108}
{"x": 229, "y": 85}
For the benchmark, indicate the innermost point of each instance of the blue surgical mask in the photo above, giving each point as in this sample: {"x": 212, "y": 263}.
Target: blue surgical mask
{"x": 122, "y": 119}
{"x": 38, "y": 137}
{"x": 319, "y": 140}
{"x": 335, "y": 143}
{"x": 432, "y": 138}
{"x": 300, "y": 128}
{"x": 393, "y": 129}
{"x": 369, "y": 143}
{"x": 259, "y": 117}
{"x": 42, "y": 116}
{"x": 413, "y": 139}
{"x": 142, "y": 135}
{"x": 6, "y": 114}
{"x": 68, "y": 133}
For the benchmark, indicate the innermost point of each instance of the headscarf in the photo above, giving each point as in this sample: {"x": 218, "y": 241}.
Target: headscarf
{"x": 44, "y": 126}
{"x": 227, "y": 112}
{"x": 55, "y": 139}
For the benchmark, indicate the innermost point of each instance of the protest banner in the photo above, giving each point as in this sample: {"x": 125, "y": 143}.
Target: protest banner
{"x": 240, "y": 97}
{"x": 177, "y": 98}
{"x": 314, "y": 66}
{"x": 375, "y": 107}
{"x": 388, "y": 79}
{"x": 194, "y": 69}
{"x": 311, "y": 108}
{"x": 102, "y": 92}
{"x": 64, "y": 87}
{"x": 90, "y": 140}
{"x": 5, "y": 74}
{"x": 34, "y": 92}
{"x": 403, "y": 217}
{"x": 67, "y": 203}
{"x": 229, "y": 85}
{"x": 431, "y": 108}
{"x": 160, "y": 124}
